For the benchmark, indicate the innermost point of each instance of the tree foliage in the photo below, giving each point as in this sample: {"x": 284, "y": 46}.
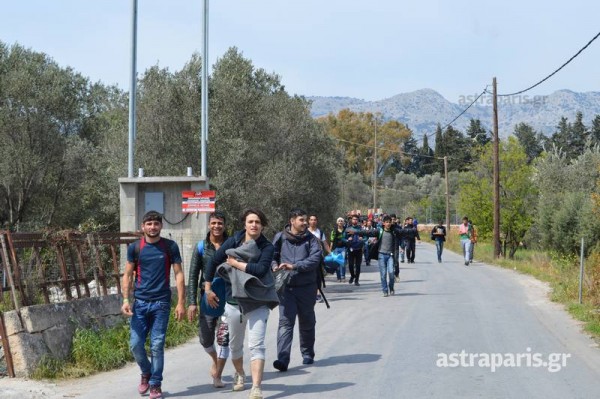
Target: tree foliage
{"x": 517, "y": 194}
{"x": 265, "y": 150}
{"x": 51, "y": 121}
{"x": 566, "y": 200}
{"x": 356, "y": 133}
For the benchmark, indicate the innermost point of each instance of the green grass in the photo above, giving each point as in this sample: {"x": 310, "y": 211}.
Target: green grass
{"x": 96, "y": 350}
{"x": 560, "y": 271}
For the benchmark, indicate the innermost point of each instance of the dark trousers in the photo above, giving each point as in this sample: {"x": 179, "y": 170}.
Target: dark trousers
{"x": 410, "y": 250}
{"x": 296, "y": 302}
{"x": 354, "y": 260}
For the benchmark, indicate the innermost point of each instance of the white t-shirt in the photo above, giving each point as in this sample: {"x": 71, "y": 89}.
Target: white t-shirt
{"x": 317, "y": 233}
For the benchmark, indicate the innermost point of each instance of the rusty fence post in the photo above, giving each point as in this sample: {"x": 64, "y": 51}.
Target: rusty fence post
{"x": 7, "y": 355}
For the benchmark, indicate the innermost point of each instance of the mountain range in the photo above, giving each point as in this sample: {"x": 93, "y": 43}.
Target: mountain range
{"x": 423, "y": 109}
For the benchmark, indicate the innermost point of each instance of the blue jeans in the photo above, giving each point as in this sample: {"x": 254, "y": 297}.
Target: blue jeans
{"x": 341, "y": 271}
{"x": 386, "y": 271}
{"x": 439, "y": 245}
{"x": 465, "y": 243}
{"x": 153, "y": 318}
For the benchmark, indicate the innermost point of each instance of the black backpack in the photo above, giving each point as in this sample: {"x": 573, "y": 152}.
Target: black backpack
{"x": 278, "y": 242}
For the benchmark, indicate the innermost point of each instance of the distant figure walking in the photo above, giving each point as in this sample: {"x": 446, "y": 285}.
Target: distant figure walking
{"x": 438, "y": 234}
{"x": 465, "y": 232}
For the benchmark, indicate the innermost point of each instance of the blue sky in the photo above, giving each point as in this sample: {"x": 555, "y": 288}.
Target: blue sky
{"x": 365, "y": 49}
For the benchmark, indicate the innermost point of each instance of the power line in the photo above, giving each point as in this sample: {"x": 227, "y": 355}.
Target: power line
{"x": 553, "y": 73}
{"x": 459, "y": 115}
{"x": 465, "y": 110}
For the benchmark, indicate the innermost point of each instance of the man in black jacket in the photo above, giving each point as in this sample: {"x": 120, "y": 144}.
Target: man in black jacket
{"x": 438, "y": 234}
{"x": 411, "y": 234}
{"x": 298, "y": 250}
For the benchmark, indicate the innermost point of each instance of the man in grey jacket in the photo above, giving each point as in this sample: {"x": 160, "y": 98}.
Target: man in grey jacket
{"x": 298, "y": 250}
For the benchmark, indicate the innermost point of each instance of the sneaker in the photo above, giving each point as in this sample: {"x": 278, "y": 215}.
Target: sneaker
{"x": 155, "y": 392}
{"x": 279, "y": 365}
{"x": 466, "y": 263}
{"x": 238, "y": 382}
{"x": 308, "y": 360}
{"x": 144, "y": 384}
{"x": 339, "y": 280}
{"x": 255, "y": 393}
{"x": 385, "y": 293}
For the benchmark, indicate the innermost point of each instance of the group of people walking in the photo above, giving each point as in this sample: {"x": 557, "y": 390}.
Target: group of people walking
{"x": 384, "y": 239}
{"x": 246, "y": 263}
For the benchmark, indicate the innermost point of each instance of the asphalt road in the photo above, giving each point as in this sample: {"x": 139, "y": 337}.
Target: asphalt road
{"x": 449, "y": 332}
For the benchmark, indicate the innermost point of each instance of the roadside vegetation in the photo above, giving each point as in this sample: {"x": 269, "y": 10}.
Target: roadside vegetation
{"x": 96, "y": 350}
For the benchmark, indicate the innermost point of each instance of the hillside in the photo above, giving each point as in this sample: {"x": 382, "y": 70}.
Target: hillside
{"x": 422, "y": 110}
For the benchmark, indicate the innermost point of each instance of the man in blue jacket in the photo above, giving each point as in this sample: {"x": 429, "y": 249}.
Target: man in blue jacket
{"x": 298, "y": 250}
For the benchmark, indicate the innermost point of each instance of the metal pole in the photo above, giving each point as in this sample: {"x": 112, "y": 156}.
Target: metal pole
{"x": 447, "y": 195}
{"x": 496, "y": 182}
{"x": 375, "y": 171}
{"x": 204, "y": 91}
{"x": 581, "y": 274}
{"x": 132, "y": 89}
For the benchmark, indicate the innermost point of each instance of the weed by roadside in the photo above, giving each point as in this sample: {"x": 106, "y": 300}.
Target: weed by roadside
{"x": 96, "y": 350}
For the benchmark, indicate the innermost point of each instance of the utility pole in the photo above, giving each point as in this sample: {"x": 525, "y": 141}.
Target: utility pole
{"x": 132, "y": 90}
{"x": 447, "y": 195}
{"x": 375, "y": 170}
{"x": 496, "y": 182}
{"x": 204, "y": 92}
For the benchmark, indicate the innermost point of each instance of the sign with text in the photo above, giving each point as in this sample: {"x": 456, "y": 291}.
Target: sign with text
{"x": 198, "y": 201}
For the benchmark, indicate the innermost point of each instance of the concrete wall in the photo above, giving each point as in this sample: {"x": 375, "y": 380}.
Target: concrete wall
{"x": 47, "y": 330}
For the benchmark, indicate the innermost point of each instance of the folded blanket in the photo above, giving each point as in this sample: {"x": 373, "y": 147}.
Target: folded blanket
{"x": 249, "y": 291}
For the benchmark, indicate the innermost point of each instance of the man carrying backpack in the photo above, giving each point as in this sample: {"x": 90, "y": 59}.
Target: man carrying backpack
{"x": 313, "y": 222}
{"x": 208, "y": 325}
{"x": 152, "y": 258}
{"x": 298, "y": 250}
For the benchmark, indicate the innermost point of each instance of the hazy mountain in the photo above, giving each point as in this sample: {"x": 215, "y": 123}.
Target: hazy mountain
{"x": 423, "y": 109}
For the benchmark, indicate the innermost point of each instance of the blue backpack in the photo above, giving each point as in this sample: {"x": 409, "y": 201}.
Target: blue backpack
{"x": 218, "y": 287}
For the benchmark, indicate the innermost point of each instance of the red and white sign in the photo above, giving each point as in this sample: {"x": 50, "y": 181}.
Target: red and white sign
{"x": 198, "y": 201}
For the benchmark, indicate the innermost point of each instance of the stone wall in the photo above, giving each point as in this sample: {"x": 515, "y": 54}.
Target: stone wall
{"x": 47, "y": 330}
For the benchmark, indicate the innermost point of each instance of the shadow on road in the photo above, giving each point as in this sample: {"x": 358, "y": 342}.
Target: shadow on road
{"x": 287, "y": 389}
{"x": 355, "y": 358}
